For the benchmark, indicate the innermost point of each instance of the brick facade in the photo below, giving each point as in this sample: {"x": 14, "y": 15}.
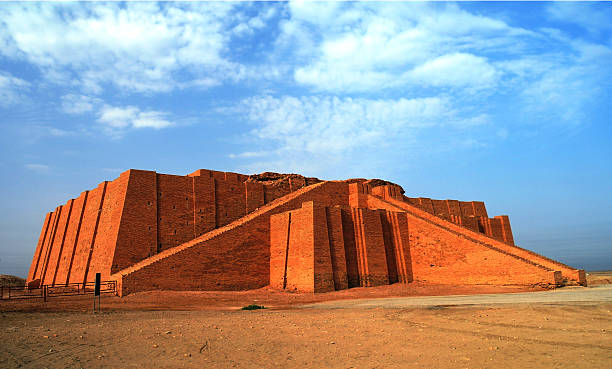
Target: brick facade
{"x": 214, "y": 230}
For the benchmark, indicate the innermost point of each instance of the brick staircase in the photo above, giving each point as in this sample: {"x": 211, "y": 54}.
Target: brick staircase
{"x": 262, "y": 211}
{"x": 569, "y": 274}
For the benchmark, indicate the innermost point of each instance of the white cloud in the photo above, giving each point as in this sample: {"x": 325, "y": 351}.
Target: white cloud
{"x": 151, "y": 119}
{"x": 456, "y": 70}
{"x": 78, "y": 104}
{"x": 559, "y": 86}
{"x": 364, "y": 47}
{"x": 249, "y": 154}
{"x": 138, "y": 47}
{"x": 116, "y": 120}
{"x": 323, "y": 130}
{"x": 39, "y": 168}
{"x": 11, "y": 89}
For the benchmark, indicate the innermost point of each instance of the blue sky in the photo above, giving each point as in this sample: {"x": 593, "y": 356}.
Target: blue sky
{"x": 507, "y": 103}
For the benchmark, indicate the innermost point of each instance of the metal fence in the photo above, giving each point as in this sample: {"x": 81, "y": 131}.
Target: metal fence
{"x": 47, "y": 291}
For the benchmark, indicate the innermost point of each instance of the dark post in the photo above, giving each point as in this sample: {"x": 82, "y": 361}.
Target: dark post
{"x": 97, "y": 287}
{"x": 97, "y": 291}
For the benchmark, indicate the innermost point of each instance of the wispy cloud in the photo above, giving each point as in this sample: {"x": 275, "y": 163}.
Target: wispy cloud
{"x": 594, "y": 17}
{"x": 39, "y": 168}
{"x": 116, "y": 120}
{"x": 11, "y": 89}
{"x": 78, "y": 104}
{"x": 295, "y": 130}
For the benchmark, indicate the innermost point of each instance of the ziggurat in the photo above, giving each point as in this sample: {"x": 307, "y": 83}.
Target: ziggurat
{"x": 214, "y": 230}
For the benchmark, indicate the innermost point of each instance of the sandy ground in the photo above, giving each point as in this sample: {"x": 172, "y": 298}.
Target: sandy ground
{"x": 600, "y": 277}
{"x": 519, "y": 336}
{"x": 364, "y": 329}
{"x": 228, "y": 300}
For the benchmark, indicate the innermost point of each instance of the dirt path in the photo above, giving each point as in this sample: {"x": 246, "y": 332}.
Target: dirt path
{"x": 567, "y": 295}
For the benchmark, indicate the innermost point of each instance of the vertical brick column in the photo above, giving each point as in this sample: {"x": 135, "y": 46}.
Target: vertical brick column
{"x": 398, "y": 223}
{"x": 279, "y": 248}
{"x": 39, "y": 246}
{"x": 300, "y": 252}
{"x": 335, "y": 233}
{"x": 323, "y": 268}
{"x": 50, "y": 245}
{"x": 72, "y": 235}
{"x": 506, "y": 229}
{"x": 56, "y": 257}
{"x": 138, "y": 228}
{"x": 370, "y": 248}
{"x": 494, "y": 229}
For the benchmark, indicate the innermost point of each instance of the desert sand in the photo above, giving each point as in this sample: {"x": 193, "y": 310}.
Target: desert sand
{"x": 200, "y": 329}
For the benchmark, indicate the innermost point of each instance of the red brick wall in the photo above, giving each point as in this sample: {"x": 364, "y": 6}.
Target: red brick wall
{"x": 335, "y": 233}
{"x": 105, "y": 243}
{"x": 304, "y": 264}
{"x": 370, "y": 245}
{"x": 65, "y": 264}
{"x": 120, "y": 225}
{"x": 273, "y": 192}
{"x": 479, "y": 209}
{"x": 454, "y": 207}
{"x": 42, "y": 272}
{"x": 443, "y": 257}
{"x": 39, "y": 247}
{"x": 235, "y": 259}
{"x": 85, "y": 243}
{"x": 528, "y": 256}
{"x": 254, "y": 196}
{"x": 398, "y": 223}
{"x": 231, "y": 201}
{"x": 322, "y": 250}
{"x": 466, "y": 208}
{"x": 386, "y": 191}
{"x": 317, "y": 248}
{"x": 128, "y": 227}
{"x": 470, "y": 222}
{"x": 506, "y": 229}
{"x": 350, "y": 247}
{"x": 494, "y": 229}
{"x": 300, "y": 256}
{"x": 440, "y": 208}
{"x": 279, "y": 244}
{"x": 58, "y": 244}
{"x": 137, "y": 232}
{"x": 204, "y": 204}
{"x": 175, "y": 210}
{"x": 427, "y": 204}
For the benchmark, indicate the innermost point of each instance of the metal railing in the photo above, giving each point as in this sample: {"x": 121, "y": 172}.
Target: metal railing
{"x": 47, "y": 291}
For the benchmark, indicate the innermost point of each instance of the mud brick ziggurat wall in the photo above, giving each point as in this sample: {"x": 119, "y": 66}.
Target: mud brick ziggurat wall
{"x": 214, "y": 230}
